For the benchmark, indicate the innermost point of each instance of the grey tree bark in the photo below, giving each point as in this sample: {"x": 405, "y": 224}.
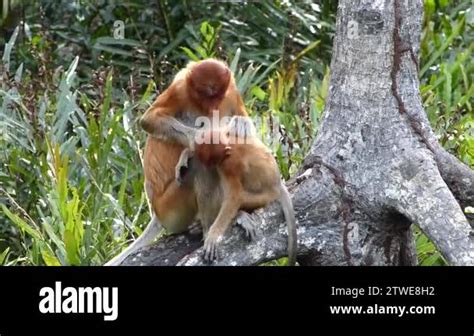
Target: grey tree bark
{"x": 374, "y": 169}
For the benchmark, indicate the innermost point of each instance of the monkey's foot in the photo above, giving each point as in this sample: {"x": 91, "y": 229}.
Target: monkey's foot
{"x": 211, "y": 248}
{"x": 195, "y": 228}
{"x": 182, "y": 167}
{"x": 246, "y": 222}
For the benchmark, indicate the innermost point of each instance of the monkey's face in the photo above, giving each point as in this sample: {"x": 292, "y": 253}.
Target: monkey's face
{"x": 211, "y": 89}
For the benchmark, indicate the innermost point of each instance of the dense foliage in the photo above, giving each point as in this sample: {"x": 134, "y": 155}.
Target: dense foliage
{"x": 71, "y": 93}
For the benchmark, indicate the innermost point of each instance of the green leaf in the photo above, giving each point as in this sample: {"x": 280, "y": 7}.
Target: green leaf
{"x": 443, "y": 3}
{"x": 8, "y": 48}
{"x": 306, "y": 50}
{"x": 467, "y": 96}
{"x": 19, "y": 73}
{"x": 36, "y": 40}
{"x": 113, "y": 41}
{"x": 71, "y": 248}
{"x": 259, "y": 93}
{"x": 430, "y": 7}
{"x": 201, "y": 51}
{"x": 123, "y": 188}
{"x": 206, "y": 29}
{"x": 49, "y": 259}
{"x": 3, "y": 255}
{"x": 107, "y": 98}
{"x": 443, "y": 47}
{"x": 191, "y": 55}
{"x": 52, "y": 235}
{"x": 447, "y": 89}
{"x": 235, "y": 61}
{"x": 22, "y": 225}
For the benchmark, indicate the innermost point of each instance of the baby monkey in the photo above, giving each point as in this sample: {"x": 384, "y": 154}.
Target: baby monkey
{"x": 247, "y": 178}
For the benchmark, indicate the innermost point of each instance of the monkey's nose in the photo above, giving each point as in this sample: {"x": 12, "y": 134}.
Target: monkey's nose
{"x": 211, "y": 91}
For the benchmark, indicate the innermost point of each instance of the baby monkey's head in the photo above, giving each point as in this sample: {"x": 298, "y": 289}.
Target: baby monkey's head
{"x": 212, "y": 148}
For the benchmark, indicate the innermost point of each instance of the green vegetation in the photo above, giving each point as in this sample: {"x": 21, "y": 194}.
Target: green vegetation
{"x": 71, "y": 183}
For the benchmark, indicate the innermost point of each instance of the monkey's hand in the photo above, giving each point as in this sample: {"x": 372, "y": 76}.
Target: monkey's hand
{"x": 182, "y": 167}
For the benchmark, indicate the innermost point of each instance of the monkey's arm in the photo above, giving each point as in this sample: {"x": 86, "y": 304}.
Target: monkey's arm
{"x": 158, "y": 124}
{"x": 160, "y": 119}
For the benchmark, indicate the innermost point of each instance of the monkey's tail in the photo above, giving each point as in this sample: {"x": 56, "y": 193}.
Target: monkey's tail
{"x": 151, "y": 232}
{"x": 290, "y": 218}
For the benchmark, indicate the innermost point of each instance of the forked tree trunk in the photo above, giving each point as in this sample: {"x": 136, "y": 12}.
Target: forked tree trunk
{"x": 374, "y": 168}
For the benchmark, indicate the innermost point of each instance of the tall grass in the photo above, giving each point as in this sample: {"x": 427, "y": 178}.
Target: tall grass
{"x": 70, "y": 171}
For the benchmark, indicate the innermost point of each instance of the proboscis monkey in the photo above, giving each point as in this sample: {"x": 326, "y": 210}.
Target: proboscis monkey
{"x": 196, "y": 90}
{"x": 248, "y": 178}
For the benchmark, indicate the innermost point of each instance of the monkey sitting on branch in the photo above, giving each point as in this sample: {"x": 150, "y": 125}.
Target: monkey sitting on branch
{"x": 248, "y": 178}
{"x": 195, "y": 91}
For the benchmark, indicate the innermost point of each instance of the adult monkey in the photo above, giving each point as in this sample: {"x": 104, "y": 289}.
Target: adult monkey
{"x": 196, "y": 91}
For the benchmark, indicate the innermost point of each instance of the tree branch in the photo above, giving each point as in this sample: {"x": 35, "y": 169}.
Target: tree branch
{"x": 420, "y": 193}
{"x": 168, "y": 251}
{"x": 325, "y": 235}
{"x": 458, "y": 176}
{"x": 271, "y": 241}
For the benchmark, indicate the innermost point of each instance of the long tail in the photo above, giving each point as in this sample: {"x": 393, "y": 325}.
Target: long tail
{"x": 290, "y": 218}
{"x": 151, "y": 231}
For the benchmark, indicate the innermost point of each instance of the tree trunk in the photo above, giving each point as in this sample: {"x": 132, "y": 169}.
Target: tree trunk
{"x": 374, "y": 168}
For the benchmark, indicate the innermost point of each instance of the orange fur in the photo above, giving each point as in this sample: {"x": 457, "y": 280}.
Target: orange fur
{"x": 175, "y": 206}
{"x": 249, "y": 179}
{"x": 248, "y": 166}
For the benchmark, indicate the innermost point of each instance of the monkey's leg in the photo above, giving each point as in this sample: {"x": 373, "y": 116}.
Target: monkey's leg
{"x": 252, "y": 200}
{"x": 152, "y": 230}
{"x": 209, "y": 200}
{"x": 176, "y": 207}
{"x": 229, "y": 209}
{"x": 223, "y": 221}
